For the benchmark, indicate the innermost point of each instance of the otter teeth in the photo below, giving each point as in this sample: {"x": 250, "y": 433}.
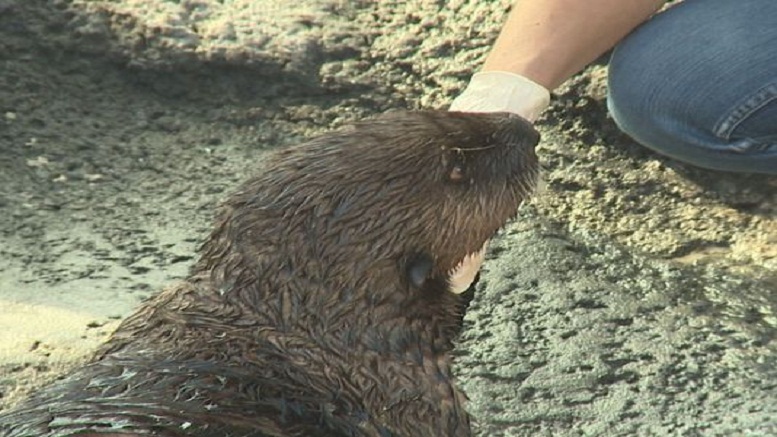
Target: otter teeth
{"x": 462, "y": 276}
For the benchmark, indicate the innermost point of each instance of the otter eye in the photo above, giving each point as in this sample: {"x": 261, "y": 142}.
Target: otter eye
{"x": 455, "y": 162}
{"x": 457, "y": 173}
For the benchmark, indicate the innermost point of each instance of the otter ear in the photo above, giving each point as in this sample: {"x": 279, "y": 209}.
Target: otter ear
{"x": 419, "y": 267}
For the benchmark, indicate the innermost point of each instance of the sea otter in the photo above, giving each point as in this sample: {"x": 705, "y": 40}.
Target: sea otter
{"x": 322, "y": 303}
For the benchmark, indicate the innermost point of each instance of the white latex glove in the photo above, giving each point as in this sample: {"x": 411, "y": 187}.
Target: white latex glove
{"x": 497, "y": 91}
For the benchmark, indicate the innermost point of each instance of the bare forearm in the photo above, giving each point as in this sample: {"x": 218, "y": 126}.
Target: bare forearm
{"x": 548, "y": 41}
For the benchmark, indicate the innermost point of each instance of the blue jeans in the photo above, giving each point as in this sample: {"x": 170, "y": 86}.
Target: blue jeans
{"x": 698, "y": 83}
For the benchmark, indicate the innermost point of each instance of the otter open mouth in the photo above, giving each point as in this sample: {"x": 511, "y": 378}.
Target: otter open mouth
{"x": 462, "y": 276}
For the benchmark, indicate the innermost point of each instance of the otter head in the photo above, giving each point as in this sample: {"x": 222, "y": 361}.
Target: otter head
{"x": 427, "y": 188}
{"x": 382, "y": 213}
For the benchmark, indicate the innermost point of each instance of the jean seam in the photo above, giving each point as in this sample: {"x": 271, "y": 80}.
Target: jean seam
{"x": 745, "y": 108}
{"x": 751, "y": 146}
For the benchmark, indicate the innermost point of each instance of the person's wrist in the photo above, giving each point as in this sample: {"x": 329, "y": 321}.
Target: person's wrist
{"x": 502, "y": 91}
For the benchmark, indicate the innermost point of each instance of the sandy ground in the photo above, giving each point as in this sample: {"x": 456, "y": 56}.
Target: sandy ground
{"x": 635, "y": 296}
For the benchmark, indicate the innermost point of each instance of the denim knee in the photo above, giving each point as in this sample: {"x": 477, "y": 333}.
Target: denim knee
{"x": 698, "y": 83}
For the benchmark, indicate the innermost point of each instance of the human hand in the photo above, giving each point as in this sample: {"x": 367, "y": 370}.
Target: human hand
{"x": 497, "y": 91}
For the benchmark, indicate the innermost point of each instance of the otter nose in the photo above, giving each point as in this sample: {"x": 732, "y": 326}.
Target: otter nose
{"x": 518, "y": 128}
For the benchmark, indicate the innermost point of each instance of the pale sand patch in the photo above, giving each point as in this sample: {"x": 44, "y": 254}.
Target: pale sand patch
{"x": 39, "y": 342}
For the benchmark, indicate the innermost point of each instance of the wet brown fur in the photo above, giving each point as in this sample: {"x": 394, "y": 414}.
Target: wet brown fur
{"x": 301, "y": 317}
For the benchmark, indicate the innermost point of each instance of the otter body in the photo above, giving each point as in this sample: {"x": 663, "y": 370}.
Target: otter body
{"x": 321, "y": 302}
